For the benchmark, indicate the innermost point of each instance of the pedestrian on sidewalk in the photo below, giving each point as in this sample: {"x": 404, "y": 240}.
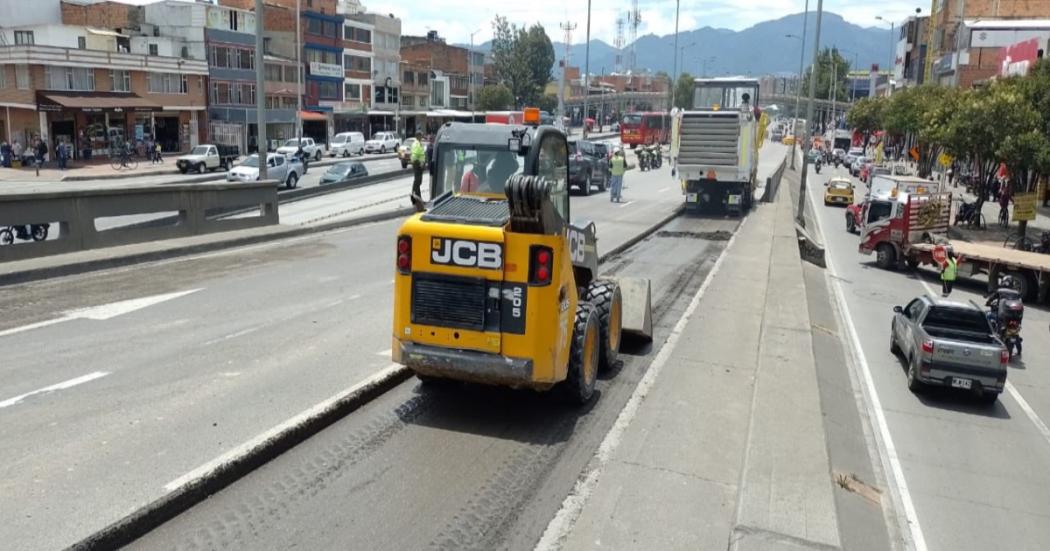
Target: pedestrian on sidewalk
{"x": 617, "y": 168}
{"x": 62, "y": 150}
{"x": 417, "y": 156}
{"x": 5, "y": 155}
{"x": 41, "y": 152}
{"x": 949, "y": 271}
{"x": 18, "y": 151}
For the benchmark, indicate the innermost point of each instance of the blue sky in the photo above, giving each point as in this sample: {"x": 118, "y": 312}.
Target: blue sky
{"x": 456, "y": 19}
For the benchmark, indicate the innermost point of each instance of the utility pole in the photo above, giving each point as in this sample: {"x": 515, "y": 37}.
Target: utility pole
{"x": 798, "y": 85}
{"x": 809, "y": 116}
{"x": 568, "y": 27}
{"x": 834, "y": 87}
{"x": 674, "y": 72}
{"x": 298, "y": 70}
{"x": 260, "y": 89}
{"x": 587, "y": 72}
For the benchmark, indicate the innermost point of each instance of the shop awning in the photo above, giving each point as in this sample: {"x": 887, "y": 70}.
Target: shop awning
{"x": 312, "y": 116}
{"x": 94, "y": 101}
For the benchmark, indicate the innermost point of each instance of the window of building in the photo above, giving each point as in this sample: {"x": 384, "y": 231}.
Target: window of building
{"x": 274, "y": 73}
{"x": 68, "y": 78}
{"x": 357, "y": 63}
{"x": 234, "y": 20}
{"x": 313, "y": 26}
{"x": 328, "y": 29}
{"x": 322, "y": 56}
{"x": 81, "y": 43}
{"x": 24, "y": 38}
{"x": 290, "y": 74}
{"x": 166, "y": 83}
{"x": 408, "y": 78}
{"x": 437, "y": 93}
{"x": 3, "y": 77}
{"x": 353, "y": 92}
{"x": 220, "y": 93}
{"x": 408, "y": 101}
{"x": 22, "y": 77}
{"x": 247, "y": 59}
{"x": 121, "y": 81}
{"x": 328, "y": 90}
{"x": 153, "y": 50}
{"x": 392, "y": 95}
{"x": 423, "y": 78}
{"x": 356, "y": 34}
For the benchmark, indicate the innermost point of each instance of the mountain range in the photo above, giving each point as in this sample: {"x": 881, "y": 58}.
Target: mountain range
{"x": 758, "y": 50}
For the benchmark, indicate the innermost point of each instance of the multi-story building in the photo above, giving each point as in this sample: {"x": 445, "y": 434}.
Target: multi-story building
{"x": 357, "y": 59}
{"x": 87, "y": 74}
{"x": 909, "y": 64}
{"x": 449, "y": 75}
{"x": 384, "y": 112}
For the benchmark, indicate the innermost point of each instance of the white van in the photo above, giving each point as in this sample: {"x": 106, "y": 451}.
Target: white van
{"x": 346, "y": 144}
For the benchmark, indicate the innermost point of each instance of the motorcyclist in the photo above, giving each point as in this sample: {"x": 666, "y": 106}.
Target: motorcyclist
{"x": 1006, "y": 290}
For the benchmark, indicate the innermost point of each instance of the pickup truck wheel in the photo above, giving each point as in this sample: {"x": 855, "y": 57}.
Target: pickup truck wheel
{"x": 317, "y": 155}
{"x": 292, "y": 181}
{"x": 587, "y": 185}
{"x": 604, "y": 183}
{"x": 183, "y": 169}
{"x": 851, "y": 225}
{"x": 894, "y": 348}
{"x": 583, "y": 355}
{"x": 382, "y": 149}
{"x": 885, "y": 256}
{"x": 201, "y": 168}
{"x": 914, "y": 384}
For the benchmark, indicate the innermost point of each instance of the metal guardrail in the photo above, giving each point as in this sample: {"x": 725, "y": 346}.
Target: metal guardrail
{"x": 72, "y": 214}
{"x": 773, "y": 182}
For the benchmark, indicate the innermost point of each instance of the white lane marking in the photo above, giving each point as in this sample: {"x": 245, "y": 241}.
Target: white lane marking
{"x": 232, "y": 335}
{"x": 561, "y": 525}
{"x": 386, "y": 352}
{"x": 60, "y": 386}
{"x": 898, "y": 482}
{"x": 375, "y": 378}
{"x": 102, "y": 312}
{"x": 625, "y": 204}
{"x": 1010, "y": 388}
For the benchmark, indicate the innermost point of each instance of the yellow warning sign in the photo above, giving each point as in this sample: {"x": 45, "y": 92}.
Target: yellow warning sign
{"x": 945, "y": 160}
{"x": 1024, "y": 207}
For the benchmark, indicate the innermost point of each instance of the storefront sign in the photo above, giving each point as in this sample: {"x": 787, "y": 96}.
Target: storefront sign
{"x": 1017, "y": 59}
{"x": 1024, "y": 207}
{"x": 49, "y": 107}
{"x": 326, "y": 69}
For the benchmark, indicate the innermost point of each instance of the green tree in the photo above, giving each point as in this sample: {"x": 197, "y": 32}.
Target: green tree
{"x": 495, "y": 97}
{"x": 683, "y": 91}
{"x": 866, "y": 115}
{"x": 548, "y": 103}
{"x": 522, "y": 58}
{"x": 832, "y": 70}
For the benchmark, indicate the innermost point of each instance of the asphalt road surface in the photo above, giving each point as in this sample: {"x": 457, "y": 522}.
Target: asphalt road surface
{"x": 115, "y": 384}
{"x": 975, "y": 475}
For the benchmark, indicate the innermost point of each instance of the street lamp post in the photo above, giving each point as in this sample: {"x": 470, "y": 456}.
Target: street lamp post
{"x": 809, "y": 116}
{"x": 893, "y": 58}
{"x": 587, "y": 70}
{"x": 674, "y": 70}
{"x": 470, "y": 76}
{"x": 798, "y": 85}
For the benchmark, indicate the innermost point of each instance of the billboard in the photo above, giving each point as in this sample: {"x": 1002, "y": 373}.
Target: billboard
{"x": 1016, "y": 59}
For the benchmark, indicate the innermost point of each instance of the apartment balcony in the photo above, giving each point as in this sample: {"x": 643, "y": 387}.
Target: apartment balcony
{"x": 73, "y": 57}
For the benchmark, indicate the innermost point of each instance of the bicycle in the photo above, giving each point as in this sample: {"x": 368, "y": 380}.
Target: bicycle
{"x": 123, "y": 160}
{"x": 1004, "y": 217}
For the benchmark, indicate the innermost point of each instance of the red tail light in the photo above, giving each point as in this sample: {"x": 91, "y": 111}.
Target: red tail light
{"x": 1004, "y": 357}
{"x": 541, "y": 265}
{"x": 404, "y": 254}
{"x": 927, "y": 346}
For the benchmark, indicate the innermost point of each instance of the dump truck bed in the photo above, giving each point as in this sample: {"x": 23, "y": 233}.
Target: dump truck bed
{"x": 993, "y": 254}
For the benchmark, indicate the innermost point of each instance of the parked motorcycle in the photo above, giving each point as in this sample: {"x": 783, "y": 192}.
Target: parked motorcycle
{"x": 1005, "y": 312}
{"x": 25, "y": 232}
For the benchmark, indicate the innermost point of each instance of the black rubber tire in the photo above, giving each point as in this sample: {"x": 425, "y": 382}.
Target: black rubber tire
{"x": 579, "y": 384}
{"x": 317, "y": 155}
{"x": 39, "y": 232}
{"x": 911, "y": 262}
{"x": 851, "y": 226}
{"x": 605, "y": 295}
{"x": 183, "y": 170}
{"x": 886, "y": 256}
{"x": 382, "y": 149}
{"x": 914, "y": 384}
{"x": 989, "y": 397}
{"x": 605, "y": 183}
{"x": 894, "y": 348}
{"x": 201, "y": 168}
{"x": 292, "y": 181}
{"x": 6, "y": 237}
{"x": 1024, "y": 285}
{"x": 586, "y": 186}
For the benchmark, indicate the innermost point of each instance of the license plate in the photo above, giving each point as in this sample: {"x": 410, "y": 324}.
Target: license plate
{"x": 734, "y": 199}
{"x": 692, "y": 197}
{"x": 961, "y": 383}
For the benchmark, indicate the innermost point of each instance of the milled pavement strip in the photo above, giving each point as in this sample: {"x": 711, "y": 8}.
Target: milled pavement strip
{"x": 210, "y": 478}
{"x": 561, "y": 525}
{"x": 904, "y": 508}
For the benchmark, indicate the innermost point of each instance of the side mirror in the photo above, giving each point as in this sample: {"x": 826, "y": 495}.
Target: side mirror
{"x": 898, "y": 309}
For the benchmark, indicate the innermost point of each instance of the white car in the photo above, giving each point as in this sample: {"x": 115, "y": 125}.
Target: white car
{"x": 345, "y": 144}
{"x": 312, "y": 149}
{"x": 382, "y": 142}
{"x": 852, "y": 155}
{"x": 278, "y": 167}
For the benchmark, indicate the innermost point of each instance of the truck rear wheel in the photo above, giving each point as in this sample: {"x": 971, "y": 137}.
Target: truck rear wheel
{"x": 886, "y": 256}
{"x": 605, "y": 295}
{"x": 583, "y": 355}
{"x": 1023, "y": 285}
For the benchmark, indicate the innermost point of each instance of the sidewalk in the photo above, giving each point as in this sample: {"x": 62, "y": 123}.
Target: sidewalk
{"x": 727, "y": 449}
{"x": 991, "y": 210}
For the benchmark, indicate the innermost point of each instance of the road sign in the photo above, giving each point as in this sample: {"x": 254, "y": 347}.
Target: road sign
{"x": 945, "y": 159}
{"x": 940, "y": 254}
{"x": 914, "y": 153}
{"x": 1024, "y": 207}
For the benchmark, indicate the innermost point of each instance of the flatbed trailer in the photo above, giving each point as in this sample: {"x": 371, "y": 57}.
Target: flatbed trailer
{"x": 918, "y": 225}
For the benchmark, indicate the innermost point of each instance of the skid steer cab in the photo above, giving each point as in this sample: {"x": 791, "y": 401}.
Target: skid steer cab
{"x": 493, "y": 284}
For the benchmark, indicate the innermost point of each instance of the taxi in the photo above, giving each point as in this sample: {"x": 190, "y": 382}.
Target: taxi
{"x": 838, "y": 191}
{"x": 788, "y": 140}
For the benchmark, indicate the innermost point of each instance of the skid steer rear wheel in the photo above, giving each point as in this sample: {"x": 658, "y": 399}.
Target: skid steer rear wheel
{"x": 605, "y": 295}
{"x": 583, "y": 355}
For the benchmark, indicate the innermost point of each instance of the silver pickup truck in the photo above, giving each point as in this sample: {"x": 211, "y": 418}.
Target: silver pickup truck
{"x": 949, "y": 344}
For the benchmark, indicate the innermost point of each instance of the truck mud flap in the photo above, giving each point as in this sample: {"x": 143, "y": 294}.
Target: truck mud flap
{"x": 637, "y": 317}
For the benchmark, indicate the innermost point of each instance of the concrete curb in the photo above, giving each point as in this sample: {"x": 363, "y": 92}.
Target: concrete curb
{"x": 270, "y": 445}
{"x": 94, "y": 265}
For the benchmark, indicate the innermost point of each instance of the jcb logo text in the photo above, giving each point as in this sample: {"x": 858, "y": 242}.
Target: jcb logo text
{"x": 458, "y": 252}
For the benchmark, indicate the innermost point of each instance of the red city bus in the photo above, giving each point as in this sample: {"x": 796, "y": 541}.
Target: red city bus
{"x": 645, "y": 128}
